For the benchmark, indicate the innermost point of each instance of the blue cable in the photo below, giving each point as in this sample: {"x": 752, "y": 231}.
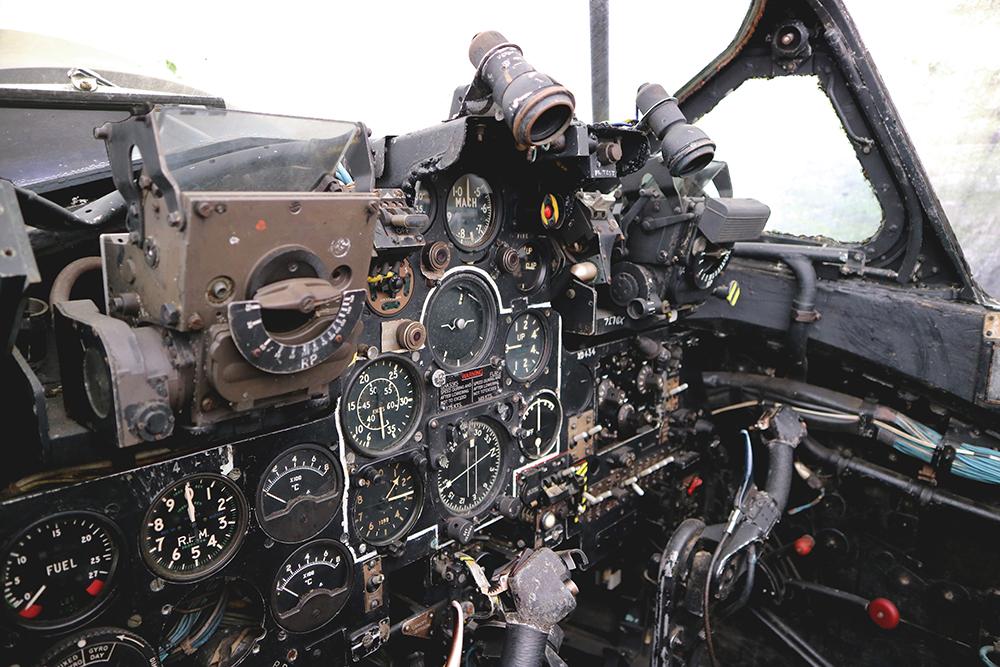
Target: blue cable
{"x": 342, "y": 175}
{"x": 984, "y": 655}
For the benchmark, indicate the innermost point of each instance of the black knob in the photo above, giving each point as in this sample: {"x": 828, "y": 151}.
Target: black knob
{"x": 460, "y": 530}
{"x": 509, "y": 507}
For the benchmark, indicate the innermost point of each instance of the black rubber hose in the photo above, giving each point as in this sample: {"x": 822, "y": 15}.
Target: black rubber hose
{"x": 785, "y": 388}
{"x": 780, "y": 463}
{"x": 925, "y": 494}
{"x": 524, "y": 646}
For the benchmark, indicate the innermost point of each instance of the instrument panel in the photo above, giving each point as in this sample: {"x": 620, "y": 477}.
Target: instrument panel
{"x": 443, "y": 409}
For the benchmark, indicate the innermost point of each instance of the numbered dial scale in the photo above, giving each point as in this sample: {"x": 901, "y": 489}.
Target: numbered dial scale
{"x": 386, "y": 502}
{"x": 312, "y": 586}
{"x": 471, "y": 471}
{"x": 299, "y": 493}
{"x": 460, "y": 321}
{"x": 540, "y": 424}
{"x": 60, "y": 569}
{"x": 526, "y": 347}
{"x": 193, "y": 527}
{"x": 470, "y": 212}
{"x": 381, "y": 406}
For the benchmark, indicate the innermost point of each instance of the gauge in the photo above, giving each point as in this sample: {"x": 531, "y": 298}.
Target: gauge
{"x": 381, "y": 406}
{"x": 470, "y": 474}
{"x": 540, "y": 424}
{"x": 312, "y": 586}
{"x": 193, "y": 527}
{"x": 60, "y": 569}
{"x": 424, "y": 202}
{"x": 97, "y": 382}
{"x": 531, "y": 265}
{"x": 386, "y": 502}
{"x": 526, "y": 346}
{"x": 470, "y": 212}
{"x": 101, "y": 646}
{"x": 460, "y": 321}
{"x": 299, "y": 493}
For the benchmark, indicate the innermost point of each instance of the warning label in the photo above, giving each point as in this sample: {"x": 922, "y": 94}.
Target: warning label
{"x": 470, "y": 387}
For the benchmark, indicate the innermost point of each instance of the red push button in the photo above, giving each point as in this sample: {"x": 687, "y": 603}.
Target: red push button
{"x": 883, "y": 613}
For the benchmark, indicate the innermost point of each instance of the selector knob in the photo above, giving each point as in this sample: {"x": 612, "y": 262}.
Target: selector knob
{"x": 509, "y": 507}
{"x": 460, "y": 530}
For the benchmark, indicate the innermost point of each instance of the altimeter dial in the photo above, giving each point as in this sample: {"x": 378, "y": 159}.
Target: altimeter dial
{"x": 386, "y": 502}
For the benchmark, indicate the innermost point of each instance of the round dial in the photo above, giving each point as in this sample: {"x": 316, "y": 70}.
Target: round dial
{"x": 525, "y": 346}
{"x": 193, "y": 527}
{"x": 470, "y": 473}
{"x": 381, "y": 406}
{"x": 424, "y": 202}
{"x": 299, "y": 493}
{"x": 60, "y": 569}
{"x": 101, "y": 646}
{"x": 460, "y": 321}
{"x": 540, "y": 424}
{"x": 531, "y": 265}
{"x": 312, "y": 586}
{"x": 470, "y": 212}
{"x": 97, "y": 382}
{"x": 386, "y": 502}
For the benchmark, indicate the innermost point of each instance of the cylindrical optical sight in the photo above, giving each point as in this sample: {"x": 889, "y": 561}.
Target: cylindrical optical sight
{"x": 537, "y": 109}
{"x": 685, "y": 148}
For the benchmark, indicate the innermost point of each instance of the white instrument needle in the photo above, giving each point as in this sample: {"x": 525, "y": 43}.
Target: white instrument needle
{"x": 189, "y": 497}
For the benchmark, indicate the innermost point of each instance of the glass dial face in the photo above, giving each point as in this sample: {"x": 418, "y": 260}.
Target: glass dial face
{"x": 299, "y": 493}
{"x": 473, "y": 462}
{"x": 381, "y": 406}
{"x": 531, "y": 263}
{"x": 424, "y": 202}
{"x": 386, "y": 501}
{"x": 60, "y": 569}
{"x": 470, "y": 212}
{"x": 525, "y": 346}
{"x": 193, "y": 527}
{"x": 460, "y": 322}
{"x": 540, "y": 424}
{"x": 312, "y": 586}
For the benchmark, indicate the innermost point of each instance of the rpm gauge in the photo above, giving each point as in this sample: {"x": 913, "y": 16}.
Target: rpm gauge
{"x": 312, "y": 586}
{"x": 386, "y": 502}
{"x": 470, "y": 212}
{"x": 470, "y": 474}
{"x": 540, "y": 424}
{"x": 299, "y": 493}
{"x": 60, "y": 569}
{"x": 381, "y": 406}
{"x": 525, "y": 347}
{"x": 193, "y": 527}
{"x": 460, "y": 321}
